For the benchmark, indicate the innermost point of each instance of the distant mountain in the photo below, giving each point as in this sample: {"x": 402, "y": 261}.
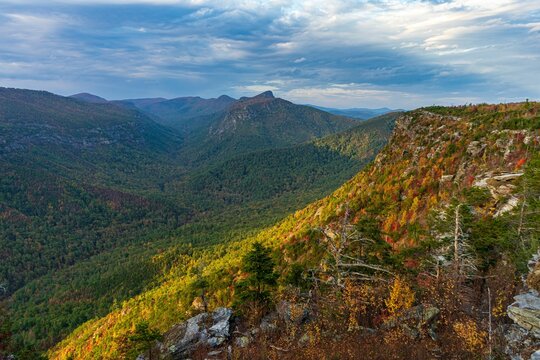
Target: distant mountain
{"x": 358, "y": 113}
{"x": 319, "y": 165}
{"x": 90, "y": 98}
{"x": 180, "y": 113}
{"x": 259, "y": 123}
{"x": 40, "y": 119}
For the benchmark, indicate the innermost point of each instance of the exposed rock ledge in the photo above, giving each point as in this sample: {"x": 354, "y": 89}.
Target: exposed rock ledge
{"x": 206, "y": 330}
{"x": 523, "y": 336}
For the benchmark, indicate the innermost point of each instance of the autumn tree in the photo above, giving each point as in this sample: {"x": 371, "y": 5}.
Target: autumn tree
{"x": 401, "y": 297}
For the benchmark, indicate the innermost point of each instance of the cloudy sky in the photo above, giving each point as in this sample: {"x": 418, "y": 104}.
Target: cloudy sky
{"x": 340, "y": 53}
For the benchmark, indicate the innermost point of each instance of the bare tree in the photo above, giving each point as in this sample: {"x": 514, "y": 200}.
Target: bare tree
{"x": 454, "y": 249}
{"x": 346, "y": 247}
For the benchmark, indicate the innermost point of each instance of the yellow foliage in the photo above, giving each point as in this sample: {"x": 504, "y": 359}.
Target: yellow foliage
{"x": 499, "y": 309}
{"x": 357, "y": 298}
{"x": 472, "y": 337}
{"x": 401, "y": 297}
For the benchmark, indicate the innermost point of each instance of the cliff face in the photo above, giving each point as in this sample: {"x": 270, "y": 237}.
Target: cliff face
{"x": 437, "y": 157}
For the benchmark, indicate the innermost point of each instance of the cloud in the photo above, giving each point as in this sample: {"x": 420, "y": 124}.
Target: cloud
{"x": 401, "y": 53}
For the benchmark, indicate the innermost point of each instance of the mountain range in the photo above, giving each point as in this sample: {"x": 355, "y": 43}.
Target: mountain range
{"x": 391, "y": 237}
{"x": 358, "y": 113}
{"x": 94, "y": 189}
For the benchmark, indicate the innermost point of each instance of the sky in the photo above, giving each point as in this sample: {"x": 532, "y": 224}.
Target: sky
{"x": 334, "y": 53}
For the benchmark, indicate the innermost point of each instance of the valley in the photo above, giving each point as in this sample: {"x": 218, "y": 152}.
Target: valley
{"x": 92, "y": 204}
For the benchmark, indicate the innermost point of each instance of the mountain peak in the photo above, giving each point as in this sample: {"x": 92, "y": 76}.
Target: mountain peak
{"x": 265, "y": 95}
{"x": 225, "y": 97}
{"x": 262, "y": 97}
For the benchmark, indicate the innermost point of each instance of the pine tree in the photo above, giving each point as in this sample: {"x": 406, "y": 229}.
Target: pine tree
{"x": 143, "y": 338}
{"x": 257, "y": 286}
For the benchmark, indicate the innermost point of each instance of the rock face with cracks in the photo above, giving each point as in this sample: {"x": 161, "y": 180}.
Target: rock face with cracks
{"x": 205, "y": 330}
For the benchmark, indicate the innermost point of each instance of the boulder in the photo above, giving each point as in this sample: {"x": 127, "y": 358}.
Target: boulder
{"x": 523, "y": 337}
{"x": 268, "y": 323}
{"x": 219, "y": 331}
{"x": 204, "y": 330}
{"x": 475, "y": 148}
{"x": 525, "y": 312}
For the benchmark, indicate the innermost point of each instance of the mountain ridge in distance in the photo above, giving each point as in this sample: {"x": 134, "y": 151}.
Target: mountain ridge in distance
{"x": 91, "y": 98}
{"x": 358, "y": 113}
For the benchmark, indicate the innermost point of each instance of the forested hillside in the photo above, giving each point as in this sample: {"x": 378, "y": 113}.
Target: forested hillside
{"x": 181, "y": 113}
{"x": 260, "y": 123}
{"x": 93, "y": 191}
{"x": 436, "y": 222}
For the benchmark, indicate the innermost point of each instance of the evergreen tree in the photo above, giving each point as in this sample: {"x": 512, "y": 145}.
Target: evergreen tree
{"x": 143, "y": 338}
{"x": 259, "y": 266}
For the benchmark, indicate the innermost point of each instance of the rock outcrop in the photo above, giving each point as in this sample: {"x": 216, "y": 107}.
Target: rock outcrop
{"x": 204, "y": 331}
{"x": 523, "y": 337}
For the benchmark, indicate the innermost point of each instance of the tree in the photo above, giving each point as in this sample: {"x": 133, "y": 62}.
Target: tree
{"x": 354, "y": 253}
{"x": 450, "y": 228}
{"x": 401, "y": 297}
{"x": 529, "y": 209}
{"x": 261, "y": 278}
{"x": 143, "y": 338}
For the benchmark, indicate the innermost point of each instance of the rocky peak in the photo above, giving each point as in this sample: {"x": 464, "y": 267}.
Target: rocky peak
{"x": 265, "y": 95}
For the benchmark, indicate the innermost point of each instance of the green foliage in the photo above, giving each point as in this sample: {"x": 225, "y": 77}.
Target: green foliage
{"x": 261, "y": 277}
{"x": 296, "y": 276}
{"x": 522, "y": 123}
{"x": 5, "y": 332}
{"x": 95, "y": 198}
{"x": 477, "y": 196}
{"x": 143, "y": 339}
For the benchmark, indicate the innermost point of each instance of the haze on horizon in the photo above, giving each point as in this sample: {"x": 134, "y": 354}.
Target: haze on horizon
{"x": 335, "y": 53}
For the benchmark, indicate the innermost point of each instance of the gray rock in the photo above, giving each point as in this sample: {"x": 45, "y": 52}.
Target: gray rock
{"x": 205, "y": 329}
{"x": 268, "y": 323}
{"x": 216, "y": 341}
{"x": 296, "y": 313}
{"x": 475, "y": 148}
{"x": 523, "y": 337}
{"x": 222, "y": 318}
{"x": 525, "y": 312}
